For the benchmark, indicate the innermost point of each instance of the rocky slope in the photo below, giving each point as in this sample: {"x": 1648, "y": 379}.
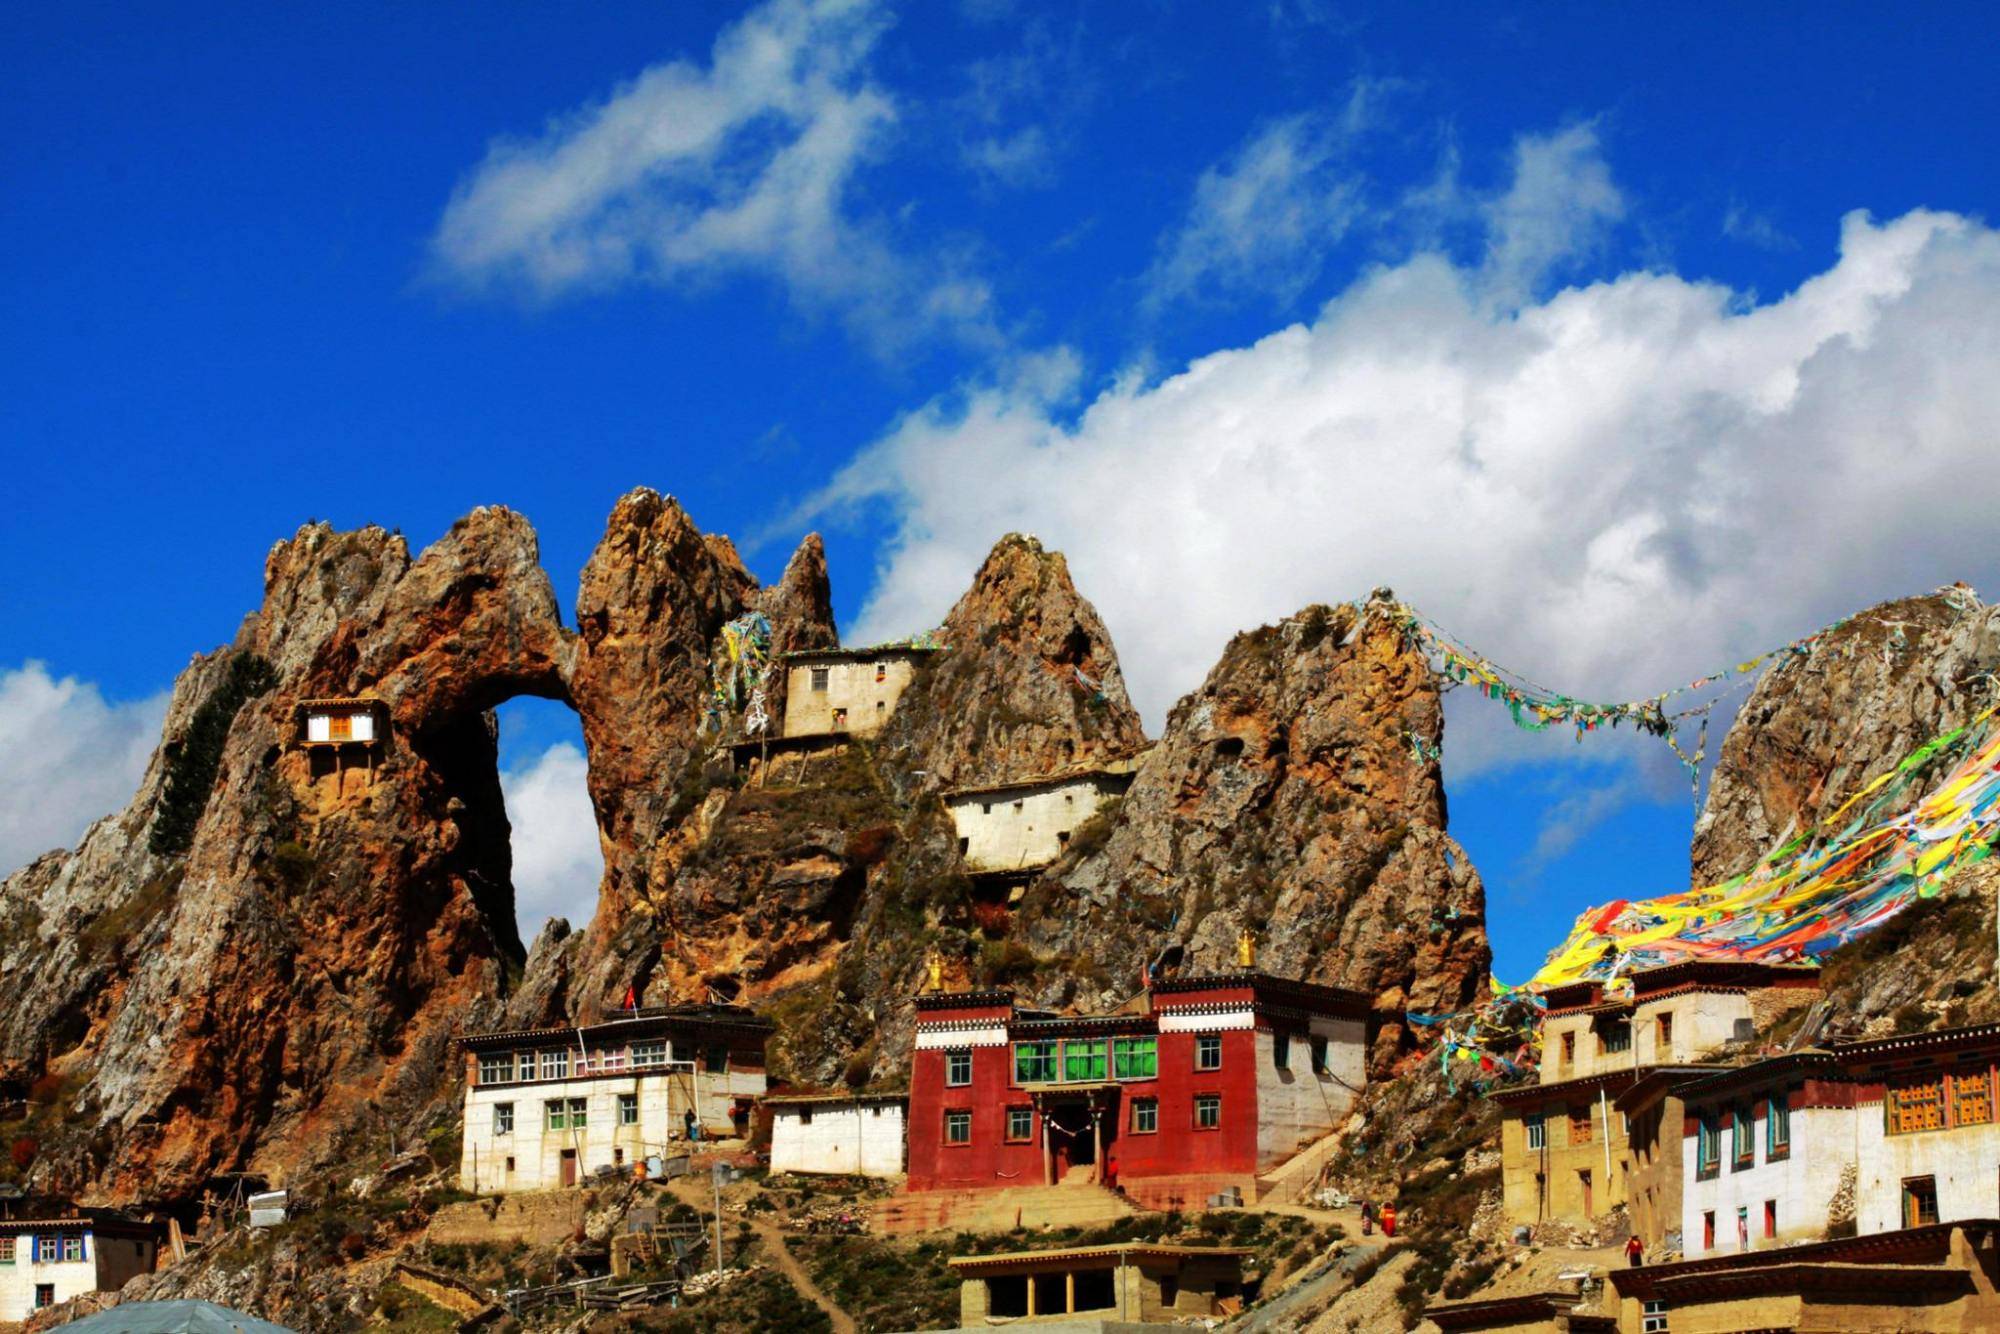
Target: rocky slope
{"x": 275, "y": 987}
{"x": 1821, "y": 724}
{"x": 1295, "y": 794}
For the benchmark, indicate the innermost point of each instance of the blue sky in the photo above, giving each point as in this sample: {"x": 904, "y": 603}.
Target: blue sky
{"x": 1625, "y": 343}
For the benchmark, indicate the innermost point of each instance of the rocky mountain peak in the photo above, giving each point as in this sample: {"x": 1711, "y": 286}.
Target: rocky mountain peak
{"x": 1825, "y": 721}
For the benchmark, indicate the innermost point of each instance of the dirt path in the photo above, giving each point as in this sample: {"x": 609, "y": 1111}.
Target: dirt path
{"x": 692, "y": 1193}
{"x": 773, "y": 1238}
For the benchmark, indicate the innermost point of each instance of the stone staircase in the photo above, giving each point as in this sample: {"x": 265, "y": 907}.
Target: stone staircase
{"x": 1066, "y": 1205}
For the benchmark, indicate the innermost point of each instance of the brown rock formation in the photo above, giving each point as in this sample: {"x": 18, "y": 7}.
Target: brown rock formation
{"x": 1286, "y": 797}
{"x": 1822, "y": 724}
{"x": 281, "y": 995}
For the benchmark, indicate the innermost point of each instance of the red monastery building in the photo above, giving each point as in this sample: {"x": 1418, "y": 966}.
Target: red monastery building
{"x": 1198, "y": 1085}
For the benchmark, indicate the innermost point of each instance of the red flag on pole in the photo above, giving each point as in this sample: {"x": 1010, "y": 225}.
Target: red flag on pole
{"x": 631, "y": 997}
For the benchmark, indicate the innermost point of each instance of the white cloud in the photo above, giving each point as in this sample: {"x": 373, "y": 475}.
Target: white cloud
{"x": 1612, "y": 488}
{"x": 745, "y": 164}
{"x": 557, "y": 859}
{"x": 67, "y": 757}
{"x": 1263, "y": 220}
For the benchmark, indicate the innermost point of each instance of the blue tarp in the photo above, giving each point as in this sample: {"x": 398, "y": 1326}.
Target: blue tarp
{"x": 177, "y": 1317}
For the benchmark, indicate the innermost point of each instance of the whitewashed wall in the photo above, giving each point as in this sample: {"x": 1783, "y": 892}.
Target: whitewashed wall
{"x": 70, "y": 1278}
{"x": 841, "y": 1139}
{"x": 537, "y": 1152}
{"x": 1296, "y": 1106}
{"x": 1703, "y": 1021}
{"x": 1020, "y": 828}
{"x": 1965, "y": 1161}
{"x": 1803, "y": 1184}
{"x": 851, "y": 686}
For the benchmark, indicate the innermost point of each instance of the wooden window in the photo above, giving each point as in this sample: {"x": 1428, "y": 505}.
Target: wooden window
{"x": 716, "y": 1060}
{"x": 1971, "y": 1098}
{"x": 1666, "y": 1030}
{"x": 6, "y": 1250}
{"x": 1208, "y": 1051}
{"x": 579, "y": 1113}
{"x": 1777, "y": 1127}
{"x": 1583, "y": 1185}
{"x": 1614, "y": 1038}
{"x": 1207, "y": 1111}
{"x": 1034, "y": 1062}
{"x": 1770, "y": 1218}
{"x": 1916, "y": 1105}
{"x": 1135, "y": 1058}
{"x": 503, "y": 1118}
{"x": 1145, "y": 1115}
{"x": 1653, "y": 1317}
{"x": 340, "y": 727}
{"x": 1569, "y": 1049}
{"x": 555, "y": 1114}
{"x": 819, "y": 680}
{"x": 649, "y": 1053}
{"x": 628, "y": 1109}
{"x": 958, "y": 1127}
{"x": 1742, "y": 1147}
{"x": 496, "y": 1069}
{"x": 1537, "y": 1129}
{"x": 527, "y": 1068}
{"x": 555, "y": 1064}
{"x": 958, "y": 1067}
{"x": 1020, "y": 1124}
{"x": 1579, "y": 1124}
{"x": 1708, "y": 1145}
{"x": 1708, "y": 1230}
{"x": 1920, "y": 1207}
{"x": 1083, "y": 1061}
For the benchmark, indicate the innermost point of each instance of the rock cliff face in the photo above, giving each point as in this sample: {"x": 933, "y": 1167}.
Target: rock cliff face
{"x": 1822, "y": 724}
{"x": 281, "y": 994}
{"x": 1288, "y": 796}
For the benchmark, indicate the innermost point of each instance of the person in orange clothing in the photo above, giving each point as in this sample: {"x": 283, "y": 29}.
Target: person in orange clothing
{"x": 1389, "y": 1218}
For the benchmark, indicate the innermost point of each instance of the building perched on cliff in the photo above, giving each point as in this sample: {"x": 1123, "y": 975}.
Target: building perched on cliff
{"x": 1026, "y": 824}
{"x": 1194, "y": 1089}
{"x": 44, "y": 1261}
{"x": 1565, "y": 1149}
{"x": 848, "y": 692}
{"x": 548, "y": 1106}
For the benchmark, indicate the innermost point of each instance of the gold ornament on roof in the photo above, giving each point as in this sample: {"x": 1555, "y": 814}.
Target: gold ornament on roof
{"x": 934, "y": 966}
{"x": 1246, "y": 949}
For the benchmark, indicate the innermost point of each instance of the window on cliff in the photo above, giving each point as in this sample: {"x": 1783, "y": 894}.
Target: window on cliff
{"x": 554, "y": 859}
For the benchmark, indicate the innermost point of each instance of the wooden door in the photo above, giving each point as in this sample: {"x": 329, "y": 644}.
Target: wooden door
{"x": 569, "y": 1167}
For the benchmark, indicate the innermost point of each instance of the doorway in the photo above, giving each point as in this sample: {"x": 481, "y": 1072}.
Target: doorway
{"x": 569, "y": 1167}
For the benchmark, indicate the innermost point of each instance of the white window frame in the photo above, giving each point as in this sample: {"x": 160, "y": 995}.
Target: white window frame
{"x": 555, "y": 1063}
{"x": 503, "y": 1119}
{"x": 579, "y": 1113}
{"x": 1204, "y": 1043}
{"x": 1207, "y": 1102}
{"x": 496, "y": 1069}
{"x": 628, "y": 1109}
{"x": 555, "y": 1114}
{"x": 953, "y": 1116}
{"x": 650, "y": 1053}
{"x": 957, "y": 1059}
{"x": 1536, "y": 1126}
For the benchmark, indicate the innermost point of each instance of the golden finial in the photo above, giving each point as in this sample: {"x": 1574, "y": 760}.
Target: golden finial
{"x": 934, "y": 965}
{"x": 1246, "y": 949}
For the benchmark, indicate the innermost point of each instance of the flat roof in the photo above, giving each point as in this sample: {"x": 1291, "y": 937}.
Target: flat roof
{"x": 829, "y": 1099}
{"x": 1119, "y": 768}
{"x": 859, "y": 654}
{"x": 1124, "y": 1250}
{"x": 349, "y": 702}
{"x": 656, "y": 1018}
{"x": 1811, "y": 1060}
{"x": 1605, "y": 1079}
{"x": 1508, "y": 1310}
{"x": 1660, "y": 1079}
{"x": 1975, "y": 1035}
{"x": 1927, "y": 1246}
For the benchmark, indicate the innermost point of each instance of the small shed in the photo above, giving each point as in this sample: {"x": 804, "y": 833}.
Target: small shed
{"x": 838, "y": 1134}
{"x": 1128, "y": 1281}
{"x": 341, "y": 733}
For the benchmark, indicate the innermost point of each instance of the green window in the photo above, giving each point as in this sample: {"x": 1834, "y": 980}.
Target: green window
{"x": 1135, "y": 1058}
{"x": 1034, "y": 1062}
{"x": 555, "y": 1114}
{"x": 1742, "y": 1148}
{"x": 579, "y": 1113}
{"x": 1083, "y": 1060}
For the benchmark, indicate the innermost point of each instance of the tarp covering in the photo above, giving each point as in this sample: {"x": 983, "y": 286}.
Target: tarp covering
{"x": 176, "y": 1317}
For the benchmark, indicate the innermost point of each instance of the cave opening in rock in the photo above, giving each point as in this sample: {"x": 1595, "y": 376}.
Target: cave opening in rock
{"x": 557, "y": 863}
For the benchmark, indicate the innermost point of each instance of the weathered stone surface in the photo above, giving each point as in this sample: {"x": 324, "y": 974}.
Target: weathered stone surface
{"x": 1822, "y": 724}
{"x": 1286, "y": 797}
{"x": 1030, "y": 683}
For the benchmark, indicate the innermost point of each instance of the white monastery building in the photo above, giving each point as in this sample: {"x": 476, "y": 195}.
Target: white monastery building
{"x": 838, "y": 1134}
{"x": 1765, "y": 1151}
{"x": 546, "y": 1107}
{"x": 1023, "y": 825}
{"x": 847, "y": 692}
{"x": 50, "y": 1260}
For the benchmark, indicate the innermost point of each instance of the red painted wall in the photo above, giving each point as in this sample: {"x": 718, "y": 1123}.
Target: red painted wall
{"x": 1177, "y": 1148}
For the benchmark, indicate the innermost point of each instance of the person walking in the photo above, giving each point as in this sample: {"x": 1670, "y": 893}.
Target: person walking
{"x": 1635, "y": 1251}
{"x": 1368, "y": 1218}
{"x": 1389, "y": 1219}
{"x": 690, "y": 1125}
